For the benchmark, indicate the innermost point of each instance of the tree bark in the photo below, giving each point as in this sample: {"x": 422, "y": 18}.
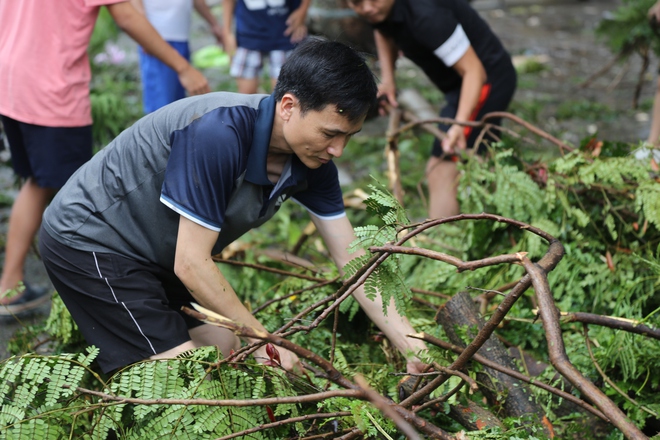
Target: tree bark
{"x": 518, "y": 401}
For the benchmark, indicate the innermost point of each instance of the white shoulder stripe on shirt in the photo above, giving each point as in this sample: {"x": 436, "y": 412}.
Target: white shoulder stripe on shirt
{"x": 454, "y": 48}
{"x": 188, "y": 215}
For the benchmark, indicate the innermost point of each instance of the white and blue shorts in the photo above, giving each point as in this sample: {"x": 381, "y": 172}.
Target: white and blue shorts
{"x": 248, "y": 64}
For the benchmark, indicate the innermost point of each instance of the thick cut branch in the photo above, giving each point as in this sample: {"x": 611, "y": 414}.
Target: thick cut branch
{"x": 473, "y": 417}
{"x": 549, "y": 261}
{"x": 513, "y": 373}
{"x": 393, "y": 156}
{"x": 462, "y": 311}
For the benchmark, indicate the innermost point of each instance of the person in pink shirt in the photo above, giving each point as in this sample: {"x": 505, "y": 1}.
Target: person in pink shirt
{"x": 46, "y": 110}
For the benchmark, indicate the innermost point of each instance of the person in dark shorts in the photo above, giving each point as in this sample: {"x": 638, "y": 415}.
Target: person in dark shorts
{"x": 46, "y": 111}
{"x": 461, "y": 55}
{"x": 130, "y": 236}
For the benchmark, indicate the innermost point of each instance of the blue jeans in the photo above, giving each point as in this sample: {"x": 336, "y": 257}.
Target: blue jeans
{"x": 160, "y": 84}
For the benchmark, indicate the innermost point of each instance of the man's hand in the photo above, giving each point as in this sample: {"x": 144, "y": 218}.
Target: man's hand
{"x": 386, "y": 97}
{"x": 218, "y": 33}
{"x": 193, "y": 81}
{"x": 455, "y": 140}
{"x": 415, "y": 366}
{"x": 295, "y": 25}
{"x": 229, "y": 42}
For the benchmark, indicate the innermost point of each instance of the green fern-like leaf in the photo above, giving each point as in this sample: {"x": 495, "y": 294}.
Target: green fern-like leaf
{"x": 648, "y": 201}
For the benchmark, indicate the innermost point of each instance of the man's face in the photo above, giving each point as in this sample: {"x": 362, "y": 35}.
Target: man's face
{"x": 317, "y": 137}
{"x": 374, "y": 11}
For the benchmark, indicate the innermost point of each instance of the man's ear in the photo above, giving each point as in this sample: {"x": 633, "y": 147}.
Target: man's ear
{"x": 288, "y": 103}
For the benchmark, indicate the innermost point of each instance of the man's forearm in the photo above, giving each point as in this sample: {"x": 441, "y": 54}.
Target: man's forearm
{"x": 470, "y": 93}
{"x": 394, "y": 326}
{"x": 228, "y": 8}
{"x": 139, "y": 29}
{"x": 139, "y": 6}
{"x": 338, "y": 235}
{"x": 211, "y": 289}
{"x": 203, "y": 9}
{"x": 387, "y": 51}
{"x": 304, "y": 6}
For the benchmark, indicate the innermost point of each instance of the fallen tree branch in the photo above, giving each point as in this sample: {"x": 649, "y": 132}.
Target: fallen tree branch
{"x": 392, "y": 155}
{"x": 513, "y": 373}
{"x": 330, "y": 371}
{"x": 501, "y": 390}
{"x": 386, "y": 408}
{"x": 612, "y": 322}
{"x": 460, "y": 264}
{"x": 307, "y": 398}
{"x": 559, "y": 358}
{"x": 296, "y": 293}
{"x": 492, "y": 115}
{"x": 549, "y": 261}
{"x": 268, "y": 269}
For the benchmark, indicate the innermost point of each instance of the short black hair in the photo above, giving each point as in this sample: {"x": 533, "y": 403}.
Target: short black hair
{"x": 320, "y": 72}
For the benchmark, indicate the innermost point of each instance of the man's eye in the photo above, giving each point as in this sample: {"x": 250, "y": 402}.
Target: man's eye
{"x": 328, "y": 135}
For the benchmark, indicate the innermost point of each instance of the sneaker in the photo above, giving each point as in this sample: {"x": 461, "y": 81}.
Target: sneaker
{"x": 32, "y": 298}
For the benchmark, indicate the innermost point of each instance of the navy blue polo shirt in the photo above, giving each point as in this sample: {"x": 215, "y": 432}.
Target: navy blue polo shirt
{"x": 203, "y": 158}
{"x": 435, "y": 34}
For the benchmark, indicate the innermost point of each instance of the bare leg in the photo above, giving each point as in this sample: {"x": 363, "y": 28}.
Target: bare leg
{"x": 208, "y": 334}
{"x": 24, "y": 222}
{"x": 442, "y": 177}
{"x": 654, "y": 135}
{"x": 202, "y": 336}
{"x": 247, "y": 85}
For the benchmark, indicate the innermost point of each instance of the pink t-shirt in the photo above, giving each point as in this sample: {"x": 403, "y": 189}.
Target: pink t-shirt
{"x": 44, "y": 69}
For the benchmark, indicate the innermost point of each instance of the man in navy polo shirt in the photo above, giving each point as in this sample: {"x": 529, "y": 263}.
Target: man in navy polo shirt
{"x": 129, "y": 238}
{"x": 457, "y": 50}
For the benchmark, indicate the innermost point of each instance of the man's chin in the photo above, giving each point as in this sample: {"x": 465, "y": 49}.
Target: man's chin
{"x": 375, "y": 20}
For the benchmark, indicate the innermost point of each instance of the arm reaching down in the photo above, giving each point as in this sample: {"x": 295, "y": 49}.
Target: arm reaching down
{"x": 338, "y": 235}
{"x": 136, "y": 25}
{"x": 196, "y": 269}
{"x": 387, "y": 55}
{"x": 203, "y": 9}
{"x": 474, "y": 77}
{"x": 296, "y": 27}
{"x": 229, "y": 37}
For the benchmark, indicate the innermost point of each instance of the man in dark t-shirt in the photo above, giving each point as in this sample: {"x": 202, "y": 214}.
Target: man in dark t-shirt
{"x": 460, "y": 54}
{"x": 129, "y": 238}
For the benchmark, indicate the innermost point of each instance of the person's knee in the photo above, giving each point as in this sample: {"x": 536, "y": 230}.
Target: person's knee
{"x": 174, "y": 352}
{"x": 438, "y": 170}
{"x": 207, "y": 334}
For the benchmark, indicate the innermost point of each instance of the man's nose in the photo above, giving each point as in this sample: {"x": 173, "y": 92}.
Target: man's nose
{"x": 367, "y": 7}
{"x": 336, "y": 148}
